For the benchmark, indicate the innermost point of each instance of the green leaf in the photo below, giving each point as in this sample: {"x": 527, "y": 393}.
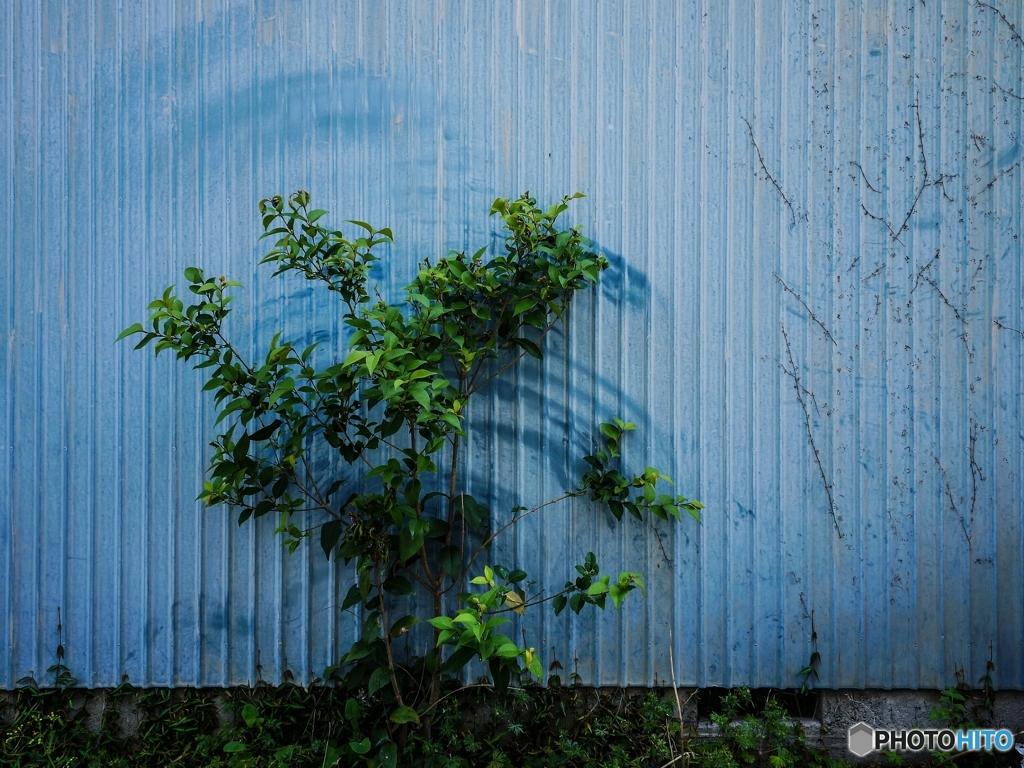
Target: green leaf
{"x": 354, "y": 597}
{"x": 635, "y": 580}
{"x": 507, "y": 651}
{"x": 460, "y": 658}
{"x": 381, "y": 677}
{"x": 536, "y": 669}
{"x": 353, "y": 710}
{"x": 529, "y": 348}
{"x": 451, "y": 560}
{"x": 250, "y": 714}
{"x": 398, "y": 585}
{"x": 617, "y": 594}
{"x": 234, "y": 746}
{"x": 284, "y": 754}
{"x": 264, "y": 432}
{"x": 133, "y": 328}
{"x": 360, "y": 747}
{"x": 359, "y": 650}
{"x": 474, "y": 512}
{"x": 409, "y": 543}
{"x": 559, "y": 603}
{"x": 403, "y": 625}
{"x": 405, "y": 715}
{"x": 524, "y": 304}
{"x": 388, "y": 428}
{"x": 577, "y": 601}
{"x": 441, "y": 622}
{"x": 412, "y": 492}
{"x": 355, "y": 356}
{"x": 419, "y": 394}
{"x": 371, "y": 628}
{"x": 388, "y": 755}
{"x": 329, "y": 535}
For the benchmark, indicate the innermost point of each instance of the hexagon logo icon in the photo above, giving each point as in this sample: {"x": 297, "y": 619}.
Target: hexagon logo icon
{"x": 861, "y": 739}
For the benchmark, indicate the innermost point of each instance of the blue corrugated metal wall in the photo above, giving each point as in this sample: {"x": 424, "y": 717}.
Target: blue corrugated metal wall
{"x": 813, "y": 211}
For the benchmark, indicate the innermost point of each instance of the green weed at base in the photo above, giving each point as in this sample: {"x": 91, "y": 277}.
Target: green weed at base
{"x": 291, "y": 726}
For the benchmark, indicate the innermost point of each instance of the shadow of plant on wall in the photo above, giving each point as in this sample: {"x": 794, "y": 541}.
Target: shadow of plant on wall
{"x": 396, "y": 408}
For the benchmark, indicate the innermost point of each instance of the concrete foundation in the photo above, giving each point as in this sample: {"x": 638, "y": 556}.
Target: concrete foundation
{"x": 899, "y": 710}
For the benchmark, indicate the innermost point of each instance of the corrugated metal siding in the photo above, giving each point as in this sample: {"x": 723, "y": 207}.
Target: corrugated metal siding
{"x": 782, "y": 349}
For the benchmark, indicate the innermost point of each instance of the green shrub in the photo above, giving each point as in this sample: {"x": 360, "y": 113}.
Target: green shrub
{"x": 396, "y": 407}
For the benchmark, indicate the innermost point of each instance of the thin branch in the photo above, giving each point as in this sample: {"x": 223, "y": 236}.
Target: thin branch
{"x": 810, "y": 435}
{"x": 913, "y": 207}
{"x": 319, "y": 498}
{"x": 941, "y": 184}
{"x": 805, "y": 390}
{"x": 765, "y": 171}
{"x": 922, "y": 276}
{"x": 926, "y": 181}
{"x": 876, "y": 271}
{"x": 512, "y": 362}
{"x": 419, "y": 579}
{"x": 945, "y": 301}
{"x": 952, "y": 502}
{"x": 536, "y": 601}
{"x": 864, "y": 176}
{"x": 976, "y": 472}
{"x": 870, "y": 215}
{"x": 454, "y": 471}
{"x": 1008, "y": 328}
{"x": 922, "y": 270}
{"x": 317, "y": 503}
{"x": 1007, "y": 91}
{"x": 661, "y": 546}
{"x": 809, "y": 312}
{"x": 675, "y": 690}
{"x": 920, "y": 137}
{"x": 998, "y": 176}
{"x": 387, "y": 638}
{"x": 1001, "y": 15}
{"x": 459, "y": 690}
{"x": 515, "y": 519}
